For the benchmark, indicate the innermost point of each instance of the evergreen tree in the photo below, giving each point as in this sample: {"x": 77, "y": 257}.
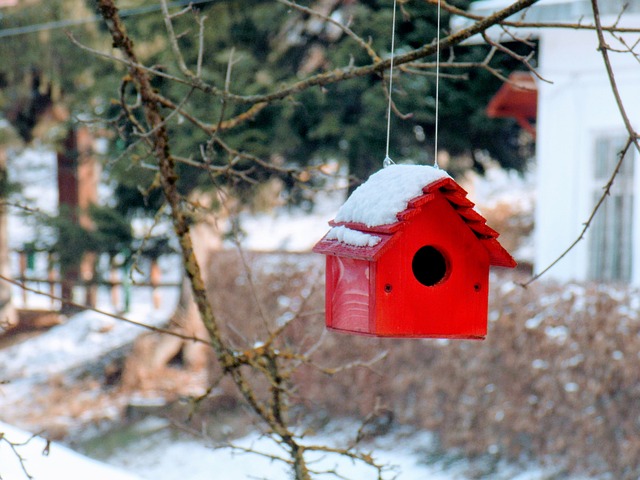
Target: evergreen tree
{"x": 271, "y": 45}
{"x": 268, "y": 45}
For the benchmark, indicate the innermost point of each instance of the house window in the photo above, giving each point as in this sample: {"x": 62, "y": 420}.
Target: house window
{"x": 611, "y": 236}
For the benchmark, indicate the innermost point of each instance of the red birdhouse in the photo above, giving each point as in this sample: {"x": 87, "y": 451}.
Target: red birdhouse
{"x": 408, "y": 256}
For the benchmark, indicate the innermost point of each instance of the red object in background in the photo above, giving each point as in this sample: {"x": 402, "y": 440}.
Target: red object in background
{"x": 428, "y": 276}
{"x": 517, "y": 98}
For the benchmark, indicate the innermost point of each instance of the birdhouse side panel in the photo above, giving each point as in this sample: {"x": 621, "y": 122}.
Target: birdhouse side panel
{"x": 434, "y": 283}
{"x": 347, "y": 299}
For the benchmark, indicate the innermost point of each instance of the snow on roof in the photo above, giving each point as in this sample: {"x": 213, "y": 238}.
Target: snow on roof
{"x": 352, "y": 237}
{"x": 387, "y": 193}
{"x": 389, "y": 198}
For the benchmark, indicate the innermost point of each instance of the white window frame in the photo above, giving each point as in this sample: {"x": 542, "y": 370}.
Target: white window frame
{"x": 611, "y": 235}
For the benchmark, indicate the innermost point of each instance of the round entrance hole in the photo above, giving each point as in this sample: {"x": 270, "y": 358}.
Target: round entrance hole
{"x": 429, "y": 266}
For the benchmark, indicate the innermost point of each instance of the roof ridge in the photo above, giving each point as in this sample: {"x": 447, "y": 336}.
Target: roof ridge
{"x": 456, "y": 197}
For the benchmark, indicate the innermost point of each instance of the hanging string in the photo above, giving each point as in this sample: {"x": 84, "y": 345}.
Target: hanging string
{"x": 387, "y": 158}
{"x": 435, "y": 140}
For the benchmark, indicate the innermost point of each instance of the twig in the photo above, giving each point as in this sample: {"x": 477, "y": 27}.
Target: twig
{"x": 227, "y": 86}
{"x": 349, "y": 453}
{"x": 355, "y": 364}
{"x": 334, "y": 76}
{"x": 603, "y": 47}
{"x": 520, "y": 58}
{"x": 627, "y": 48}
{"x": 366, "y": 46}
{"x": 209, "y": 129}
{"x": 14, "y": 448}
{"x": 173, "y": 40}
{"x": 484, "y": 65}
{"x": 201, "y": 21}
{"x": 394, "y": 107}
{"x": 383, "y": 65}
{"x": 28, "y": 209}
{"x": 252, "y": 286}
{"x": 153, "y": 71}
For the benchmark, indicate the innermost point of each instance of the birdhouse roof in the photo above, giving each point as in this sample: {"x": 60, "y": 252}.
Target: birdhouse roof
{"x": 364, "y": 226}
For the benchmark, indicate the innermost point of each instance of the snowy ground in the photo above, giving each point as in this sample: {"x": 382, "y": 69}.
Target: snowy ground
{"x": 163, "y": 458}
{"x": 35, "y": 171}
{"x": 84, "y": 337}
{"x": 43, "y": 461}
{"x": 159, "y": 454}
{"x": 405, "y": 456}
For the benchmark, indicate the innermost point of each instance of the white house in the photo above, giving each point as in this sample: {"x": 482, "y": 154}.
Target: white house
{"x": 579, "y": 134}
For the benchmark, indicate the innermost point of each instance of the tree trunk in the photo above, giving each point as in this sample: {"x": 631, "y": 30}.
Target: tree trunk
{"x": 8, "y": 315}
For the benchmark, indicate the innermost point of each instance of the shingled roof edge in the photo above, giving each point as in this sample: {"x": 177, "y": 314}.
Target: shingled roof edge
{"x": 456, "y": 196}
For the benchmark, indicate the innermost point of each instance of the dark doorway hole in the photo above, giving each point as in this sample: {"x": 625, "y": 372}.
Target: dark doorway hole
{"x": 429, "y": 266}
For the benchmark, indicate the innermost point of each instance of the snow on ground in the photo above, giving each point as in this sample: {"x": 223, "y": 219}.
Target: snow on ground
{"x": 162, "y": 455}
{"x": 58, "y": 463}
{"x": 85, "y": 336}
{"x": 36, "y": 171}
{"x": 406, "y": 456}
{"x": 177, "y": 459}
{"x": 153, "y": 452}
{"x": 41, "y": 371}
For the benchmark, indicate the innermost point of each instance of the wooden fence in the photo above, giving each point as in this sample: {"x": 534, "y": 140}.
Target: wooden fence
{"x": 40, "y": 270}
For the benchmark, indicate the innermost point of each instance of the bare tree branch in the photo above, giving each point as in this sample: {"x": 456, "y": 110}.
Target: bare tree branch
{"x": 265, "y": 360}
{"x": 382, "y": 65}
{"x": 604, "y": 47}
{"x": 525, "y": 60}
{"x": 173, "y": 41}
{"x": 14, "y": 448}
{"x": 366, "y": 46}
{"x": 534, "y": 25}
